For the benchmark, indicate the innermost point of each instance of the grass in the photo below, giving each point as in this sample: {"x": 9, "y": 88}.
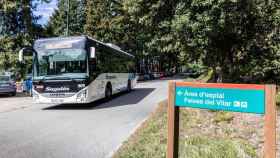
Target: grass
{"x": 278, "y": 99}
{"x": 222, "y": 116}
{"x": 204, "y": 147}
{"x": 205, "y": 77}
{"x": 150, "y": 140}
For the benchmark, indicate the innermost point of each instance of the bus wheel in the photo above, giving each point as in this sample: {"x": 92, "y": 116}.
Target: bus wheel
{"x": 108, "y": 92}
{"x": 129, "y": 85}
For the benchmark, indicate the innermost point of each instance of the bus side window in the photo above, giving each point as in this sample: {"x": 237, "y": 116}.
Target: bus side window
{"x": 93, "y": 65}
{"x": 92, "y": 69}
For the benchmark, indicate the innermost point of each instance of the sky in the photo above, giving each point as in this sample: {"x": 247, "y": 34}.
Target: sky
{"x": 45, "y": 10}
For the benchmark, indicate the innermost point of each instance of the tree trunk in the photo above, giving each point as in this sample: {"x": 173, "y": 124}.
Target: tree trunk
{"x": 220, "y": 74}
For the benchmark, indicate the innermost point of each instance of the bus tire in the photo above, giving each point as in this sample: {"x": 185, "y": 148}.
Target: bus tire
{"x": 108, "y": 91}
{"x": 129, "y": 88}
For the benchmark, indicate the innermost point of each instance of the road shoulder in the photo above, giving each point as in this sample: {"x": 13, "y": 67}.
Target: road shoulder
{"x": 8, "y": 104}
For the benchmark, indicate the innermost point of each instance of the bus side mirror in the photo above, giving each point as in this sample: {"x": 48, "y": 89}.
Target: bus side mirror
{"x": 27, "y": 51}
{"x": 92, "y": 52}
{"x": 20, "y": 56}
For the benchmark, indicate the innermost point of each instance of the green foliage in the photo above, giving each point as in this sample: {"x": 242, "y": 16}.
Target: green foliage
{"x": 18, "y": 29}
{"x": 150, "y": 140}
{"x": 278, "y": 99}
{"x": 222, "y": 116}
{"x": 237, "y": 39}
{"x": 107, "y": 21}
{"x": 236, "y": 36}
{"x": 17, "y": 19}
{"x": 204, "y": 147}
{"x": 57, "y": 25}
{"x": 150, "y": 25}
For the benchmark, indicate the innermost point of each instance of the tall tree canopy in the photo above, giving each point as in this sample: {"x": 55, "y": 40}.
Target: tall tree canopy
{"x": 57, "y": 25}
{"x": 104, "y": 20}
{"x": 18, "y": 28}
{"x": 238, "y": 39}
{"x": 235, "y": 36}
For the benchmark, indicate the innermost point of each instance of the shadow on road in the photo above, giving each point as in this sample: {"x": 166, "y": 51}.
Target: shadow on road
{"x": 18, "y": 95}
{"x": 5, "y": 96}
{"x": 120, "y": 99}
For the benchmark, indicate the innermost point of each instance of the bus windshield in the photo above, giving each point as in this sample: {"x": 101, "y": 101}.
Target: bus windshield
{"x": 69, "y": 63}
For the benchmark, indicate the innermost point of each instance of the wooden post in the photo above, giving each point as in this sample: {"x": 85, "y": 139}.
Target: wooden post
{"x": 270, "y": 122}
{"x": 173, "y": 123}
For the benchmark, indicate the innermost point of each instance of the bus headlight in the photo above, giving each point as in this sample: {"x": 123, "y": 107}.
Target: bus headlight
{"x": 81, "y": 85}
{"x": 81, "y": 96}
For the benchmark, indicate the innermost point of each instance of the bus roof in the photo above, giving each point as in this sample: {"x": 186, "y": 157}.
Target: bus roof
{"x": 109, "y": 45}
{"x": 79, "y": 41}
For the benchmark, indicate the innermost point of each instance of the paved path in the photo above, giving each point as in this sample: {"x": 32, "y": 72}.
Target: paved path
{"x": 14, "y": 103}
{"x": 75, "y": 131}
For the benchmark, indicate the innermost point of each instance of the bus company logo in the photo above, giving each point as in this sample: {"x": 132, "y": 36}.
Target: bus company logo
{"x": 59, "y": 89}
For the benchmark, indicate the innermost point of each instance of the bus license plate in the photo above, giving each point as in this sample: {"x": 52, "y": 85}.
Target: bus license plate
{"x": 57, "y": 101}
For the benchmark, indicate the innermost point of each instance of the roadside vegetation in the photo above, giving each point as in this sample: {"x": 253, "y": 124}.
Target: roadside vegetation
{"x": 199, "y": 137}
{"x": 237, "y": 39}
{"x": 278, "y": 99}
{"x": 203, "y": 133}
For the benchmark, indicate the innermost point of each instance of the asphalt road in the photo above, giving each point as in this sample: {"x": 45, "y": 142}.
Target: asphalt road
{"x": 77, "y": 131}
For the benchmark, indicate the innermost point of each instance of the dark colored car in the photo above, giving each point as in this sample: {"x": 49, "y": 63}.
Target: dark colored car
{"x": 7, "y": 85}
{"x": 155, "y": 75}
{"x": 143, "y": 77}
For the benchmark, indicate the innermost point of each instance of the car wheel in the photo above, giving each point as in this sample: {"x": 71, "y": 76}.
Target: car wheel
{"x": 13, "y": 94}
{"x": 108, "y": 92}
{"x": 129, "y": 88}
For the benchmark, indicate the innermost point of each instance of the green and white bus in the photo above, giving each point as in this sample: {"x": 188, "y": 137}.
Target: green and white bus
{"x": 79, "y": 70}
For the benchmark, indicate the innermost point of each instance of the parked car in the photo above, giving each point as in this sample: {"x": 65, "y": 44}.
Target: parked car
{"x": 7, "y": 85}
{"x": 168, "y": 74}
{"x": 156, "y": 75}
{"x": 161, "y": 75}
{"x": 147, "y": 76}
{"x": 190, "y": 73}
{"x": 140, "y": 77}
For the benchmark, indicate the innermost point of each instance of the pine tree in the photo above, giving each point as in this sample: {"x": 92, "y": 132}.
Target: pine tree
{"x": 235, "y": 38}
{"x": 58, "y": 21}
{"x": 18, "y": 28}
{"x": 104, "y": 20}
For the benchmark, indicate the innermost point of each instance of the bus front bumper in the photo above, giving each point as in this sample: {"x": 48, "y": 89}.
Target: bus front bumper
{"x": 80, "y": 97}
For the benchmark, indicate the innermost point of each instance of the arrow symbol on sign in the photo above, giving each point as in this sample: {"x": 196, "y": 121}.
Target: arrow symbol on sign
{"x": 179, "y": 93}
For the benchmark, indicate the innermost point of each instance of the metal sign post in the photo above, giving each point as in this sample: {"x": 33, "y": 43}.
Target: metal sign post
{"x": 245, "y": 98}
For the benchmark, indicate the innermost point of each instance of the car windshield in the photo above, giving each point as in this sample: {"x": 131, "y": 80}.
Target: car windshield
{"x": 67, "y": 63}
{"x": 4, "y": 78}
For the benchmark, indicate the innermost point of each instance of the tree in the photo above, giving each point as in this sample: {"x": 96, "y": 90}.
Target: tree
{"x": 230, "y": 36}
{"x": 150, "y": 25}
{"x": 102, "y": 20}
{"x": 18, "y": 28}
{"x": 57, "y": 25}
